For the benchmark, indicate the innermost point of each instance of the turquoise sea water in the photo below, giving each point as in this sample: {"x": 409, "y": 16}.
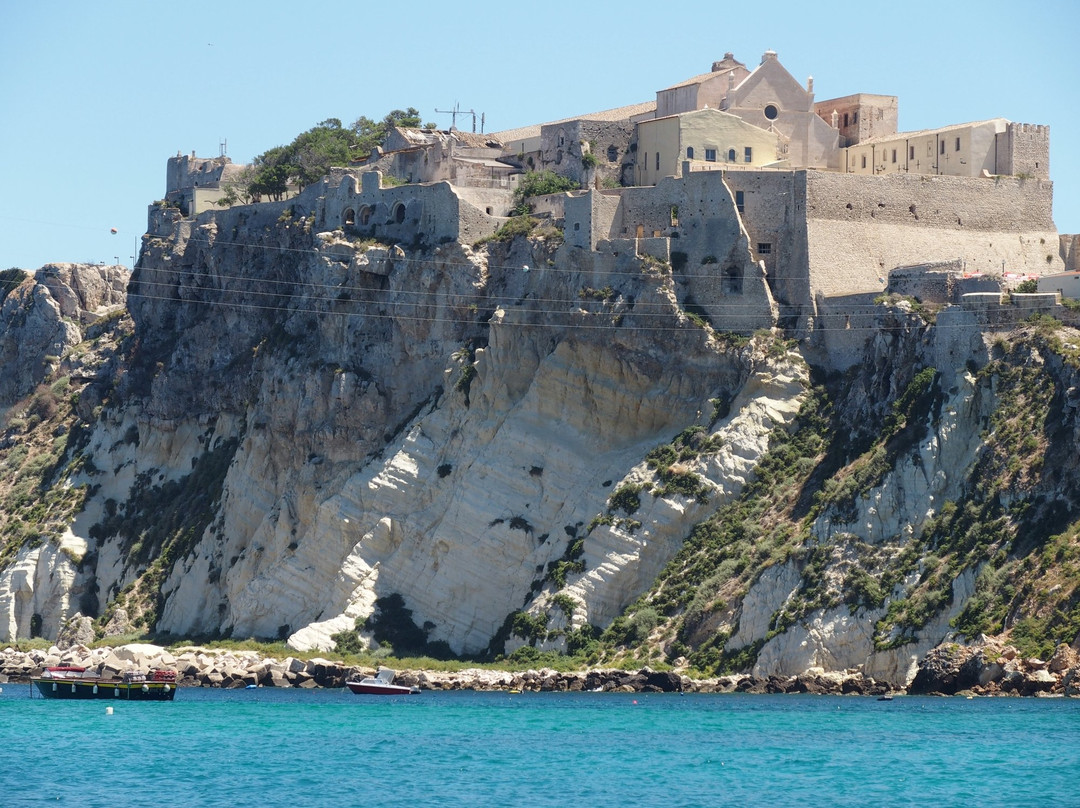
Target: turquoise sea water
{"x": 271, "y": 748}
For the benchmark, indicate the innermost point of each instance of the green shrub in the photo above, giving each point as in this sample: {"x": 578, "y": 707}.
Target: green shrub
{"x": 347, "y": 642}
{"x": 626, "y": 499}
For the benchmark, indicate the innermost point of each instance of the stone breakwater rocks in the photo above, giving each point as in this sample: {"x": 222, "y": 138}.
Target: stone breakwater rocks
{"x": 989, "y": 669}
{"x": 198, "y": 667}
{"x": 195, "y": 667}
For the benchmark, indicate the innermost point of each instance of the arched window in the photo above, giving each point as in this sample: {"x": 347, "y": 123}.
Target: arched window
{"x": 612, "y": 153}
{"x": 731, "y": 156}
{"x": 348, "y": 217}
{"x": 689, "y": 152}
{"x": 399, "y": 213}
{"x": 365, "y": 214}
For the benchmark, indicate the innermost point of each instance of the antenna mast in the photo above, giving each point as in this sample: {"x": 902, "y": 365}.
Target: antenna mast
{"x": 453, "y": 113}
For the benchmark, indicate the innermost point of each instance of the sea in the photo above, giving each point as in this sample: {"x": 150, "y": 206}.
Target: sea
{"x": 289, "y": 747}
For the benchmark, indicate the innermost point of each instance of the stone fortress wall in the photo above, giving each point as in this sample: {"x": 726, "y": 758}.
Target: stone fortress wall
{"x": 810, "y": 235}
{"x": 750, "y": 247}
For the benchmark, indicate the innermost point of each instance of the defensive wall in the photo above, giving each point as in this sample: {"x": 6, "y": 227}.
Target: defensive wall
{"x": 749, "y": 247}
{"x": 860, "y": 228}
{"x": 692, "y": 221}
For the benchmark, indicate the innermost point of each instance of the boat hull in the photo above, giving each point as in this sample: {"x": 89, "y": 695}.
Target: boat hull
{"x": 123, "y": 691}
{"x": 380, "y": 689}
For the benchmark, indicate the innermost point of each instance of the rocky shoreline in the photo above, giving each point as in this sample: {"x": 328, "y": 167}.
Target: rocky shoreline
{"x": 948, "y": 670}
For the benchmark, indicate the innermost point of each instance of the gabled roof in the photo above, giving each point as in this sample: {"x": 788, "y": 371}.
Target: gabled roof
{"x": 721, "y": 68}
{"x": 695, "y": 80}
{"x": 616, "y": 114}
{"x": 421, "y": 137}
{"x": 955, "y": 127}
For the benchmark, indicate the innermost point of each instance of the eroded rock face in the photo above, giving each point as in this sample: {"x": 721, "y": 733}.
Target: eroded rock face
{"x": 992, "y": 669}
{"x": 337, "y": 422}
{"x": 44, "y": 317}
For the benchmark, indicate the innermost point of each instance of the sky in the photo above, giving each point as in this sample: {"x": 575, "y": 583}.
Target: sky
{"x": 95, "y": 97}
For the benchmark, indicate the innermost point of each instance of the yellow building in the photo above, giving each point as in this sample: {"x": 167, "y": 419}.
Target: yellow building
{"x": 707, "y": 139}
{"x": 963, "y": 150}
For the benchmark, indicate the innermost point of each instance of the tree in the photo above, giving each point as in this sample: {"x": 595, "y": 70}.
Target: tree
{"x": 539, "y": 183}
{"x": 370, "y": 134}
{"x": 313, "y": 153}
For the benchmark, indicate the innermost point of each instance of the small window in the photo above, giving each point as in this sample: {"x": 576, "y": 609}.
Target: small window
{"x": 854, "y": 118}
{"x": 739, "y": 201}
{"x": 958, "y": 144}
{"x": 864, "y": 161}
{"x": 943, "y": 147}
{"x": 894, "y": 155}
{"x": 731, "y": 156}
{"x": 658, "y": 161}
{"x": 764, "y": 248}
{"x": 845, "y": 119}
{"x": 710, "y": 155}
{"x": 911, "y": 152}
{"x": 612, "y": 153}
{"x": 689, "y": 152}
{"x": 748, "y": 154}
{"x": 771, "y": 111}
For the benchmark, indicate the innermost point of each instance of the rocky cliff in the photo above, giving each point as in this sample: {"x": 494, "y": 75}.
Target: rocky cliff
{"x": 293, "y": 434}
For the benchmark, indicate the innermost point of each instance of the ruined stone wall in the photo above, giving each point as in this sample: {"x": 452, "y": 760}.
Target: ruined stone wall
{"x": 928, "y": 283}
{"x": 563, "y": 146}
{"x": 188, "y": 171}
{"x": 408, "y": 214}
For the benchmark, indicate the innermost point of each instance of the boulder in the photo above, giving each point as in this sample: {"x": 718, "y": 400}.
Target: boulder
{"x": 664, "y": 681}
{"x": 118, "y": 624}
{"x": 79, "y": 630}
{"x": 947, "y": 669}
{"x": 1063, "y": 659}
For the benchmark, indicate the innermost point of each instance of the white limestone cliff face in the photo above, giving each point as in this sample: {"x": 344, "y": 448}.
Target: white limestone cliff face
{"x": 472, "y": 502}
{"x": 620, "y": 562}
{"x": 42, "y": 581}
{"x": 442, "y": 424}
{"x": 920, "y": 482}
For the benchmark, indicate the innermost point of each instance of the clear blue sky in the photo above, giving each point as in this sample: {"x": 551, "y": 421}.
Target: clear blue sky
{"x": 95, "y": 97}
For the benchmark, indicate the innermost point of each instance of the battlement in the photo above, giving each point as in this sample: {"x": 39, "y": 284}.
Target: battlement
{"x": 1023, "y": 150}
